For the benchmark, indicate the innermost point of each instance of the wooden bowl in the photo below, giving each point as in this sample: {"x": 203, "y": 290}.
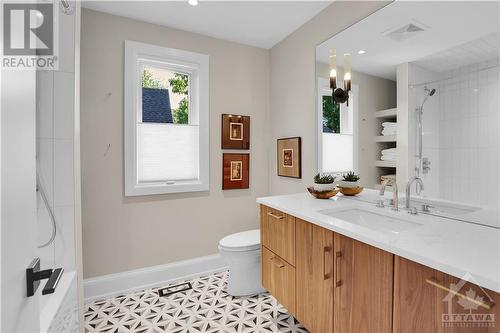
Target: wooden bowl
{"x": 323, "y": 194}
{"x": 350, "y": 191}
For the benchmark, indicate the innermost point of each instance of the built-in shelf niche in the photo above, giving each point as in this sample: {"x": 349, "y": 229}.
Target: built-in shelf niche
{"x": 385, "y": 141}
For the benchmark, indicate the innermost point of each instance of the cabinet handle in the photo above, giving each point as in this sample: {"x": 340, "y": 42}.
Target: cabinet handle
{"x": 278, "y": 217}
{"x": 277, "y": 263}
{"x": 338, "y": 257}
{"x": 326, "y": 275}
{"x": 485, "y": 304}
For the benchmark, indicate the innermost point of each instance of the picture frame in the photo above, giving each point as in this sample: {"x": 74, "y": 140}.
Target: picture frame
{"x": 235, "y": 131}
{"x": 235, "y": 171}
{"x": 289, "y": 157}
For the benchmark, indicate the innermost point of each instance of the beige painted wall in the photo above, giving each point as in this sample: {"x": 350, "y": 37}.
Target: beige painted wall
{"x": 374, "y": 94}
{"x": 293, "y": 86}
{"x": 120, "y": 233}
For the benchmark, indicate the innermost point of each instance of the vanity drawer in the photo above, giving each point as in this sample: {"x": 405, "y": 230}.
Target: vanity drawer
{"x": 277, "y": 231}
{"x": 278, "y": 277}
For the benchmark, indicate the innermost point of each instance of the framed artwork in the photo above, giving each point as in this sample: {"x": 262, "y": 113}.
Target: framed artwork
{"x": 235, "y": 171}
{"x": 235, "y": 133}
{"x": 289, "y": 157}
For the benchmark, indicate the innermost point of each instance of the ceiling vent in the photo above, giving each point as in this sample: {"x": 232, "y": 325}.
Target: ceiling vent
{"x": 405, "y": 32}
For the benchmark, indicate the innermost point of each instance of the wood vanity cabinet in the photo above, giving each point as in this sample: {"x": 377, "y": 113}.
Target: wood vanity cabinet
{"x": 421, "y": 300}
{"x": 335, "y": 284}
{"x": 363, "y": 287}
{"x": 314, "y": 276}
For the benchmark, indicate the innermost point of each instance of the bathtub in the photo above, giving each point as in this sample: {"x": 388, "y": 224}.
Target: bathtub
{"x": 59, "y": 311}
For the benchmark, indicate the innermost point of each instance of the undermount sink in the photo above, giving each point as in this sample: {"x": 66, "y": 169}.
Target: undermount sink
{"x": 371, "y": 220}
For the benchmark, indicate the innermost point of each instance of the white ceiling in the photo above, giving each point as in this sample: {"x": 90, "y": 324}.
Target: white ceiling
{"x": 448, "y": 25}
{"x": 478, "y": 50}
{"x": 256, "y": 23}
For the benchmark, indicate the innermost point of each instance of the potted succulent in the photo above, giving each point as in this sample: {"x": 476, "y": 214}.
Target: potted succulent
{"x": 349, "y": 180}
{"x": 323, "y": 183}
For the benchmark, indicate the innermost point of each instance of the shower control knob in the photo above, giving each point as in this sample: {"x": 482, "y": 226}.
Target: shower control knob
{"x": 426, "y": 165}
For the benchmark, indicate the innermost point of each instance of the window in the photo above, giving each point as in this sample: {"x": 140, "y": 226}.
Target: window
{"x": 166, "y": 120}
{"x": 336, "y": 135}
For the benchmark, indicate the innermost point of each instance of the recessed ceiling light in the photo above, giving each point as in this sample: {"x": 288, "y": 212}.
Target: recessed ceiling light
{"x": 361, "y": 52}
{"x": 193, "y": 2}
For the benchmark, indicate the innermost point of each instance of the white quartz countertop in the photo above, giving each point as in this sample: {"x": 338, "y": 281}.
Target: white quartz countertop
{"x": 464, "y": 250}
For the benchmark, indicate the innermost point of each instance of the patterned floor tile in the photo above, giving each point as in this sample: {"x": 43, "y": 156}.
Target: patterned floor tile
{"x": 205, "y": 308}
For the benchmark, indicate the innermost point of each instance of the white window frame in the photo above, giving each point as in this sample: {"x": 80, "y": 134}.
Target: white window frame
{"x": 197, "y": 66}
{"x": 323, "y": 89}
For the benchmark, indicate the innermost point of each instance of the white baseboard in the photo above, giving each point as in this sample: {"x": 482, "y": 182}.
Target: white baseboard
{"x": 115, "y": 284}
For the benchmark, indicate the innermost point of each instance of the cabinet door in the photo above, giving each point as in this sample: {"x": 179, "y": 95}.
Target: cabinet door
{"x": 278, "y": 277}
{"x": 363, "y": 287}
{"x": 416, "y": 303}
{"x": 424, "y": 302}
{"x": 278, "y": 233}
{"x": 314, "y": 277}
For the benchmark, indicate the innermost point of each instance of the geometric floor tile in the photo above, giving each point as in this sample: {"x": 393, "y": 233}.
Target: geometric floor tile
{"x": 205, "y": 308}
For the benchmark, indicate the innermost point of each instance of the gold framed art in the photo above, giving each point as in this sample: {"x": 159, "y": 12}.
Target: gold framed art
{"x": 289, "y": 157}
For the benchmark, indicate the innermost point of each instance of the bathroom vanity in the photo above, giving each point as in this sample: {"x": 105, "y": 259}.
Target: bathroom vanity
{"x": 344, "y": 265}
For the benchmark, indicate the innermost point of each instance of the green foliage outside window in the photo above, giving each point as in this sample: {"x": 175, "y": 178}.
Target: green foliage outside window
{"x": 149, "y": 81}
{"x": 331, "y": 114}
{"x": 180, "y": 85}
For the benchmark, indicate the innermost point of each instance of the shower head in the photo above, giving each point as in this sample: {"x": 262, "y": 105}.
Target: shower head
{"x": 429, "y": 92}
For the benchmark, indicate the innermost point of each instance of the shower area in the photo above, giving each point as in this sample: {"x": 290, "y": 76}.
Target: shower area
{"x": 456, "y": 94}
{"x": 55, "y": 177}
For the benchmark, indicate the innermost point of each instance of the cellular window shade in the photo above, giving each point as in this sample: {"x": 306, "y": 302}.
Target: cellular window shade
{"x": 167, "y": 152}
{"x": 337, "y": 152}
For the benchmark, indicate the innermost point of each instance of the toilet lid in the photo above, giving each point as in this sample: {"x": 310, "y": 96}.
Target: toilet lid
{"x": 241, "y": 241}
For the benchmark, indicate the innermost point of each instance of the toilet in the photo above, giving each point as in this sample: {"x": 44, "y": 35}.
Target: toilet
{"x": 241, "y": 252}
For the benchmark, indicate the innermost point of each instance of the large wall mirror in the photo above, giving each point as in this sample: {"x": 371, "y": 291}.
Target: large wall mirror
{"x": 415, "y": 96}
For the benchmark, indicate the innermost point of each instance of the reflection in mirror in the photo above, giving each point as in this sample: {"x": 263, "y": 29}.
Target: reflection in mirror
{"x": 424, "y": 102}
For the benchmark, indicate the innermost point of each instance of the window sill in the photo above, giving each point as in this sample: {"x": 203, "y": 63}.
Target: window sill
{"x": 165, "y": 188}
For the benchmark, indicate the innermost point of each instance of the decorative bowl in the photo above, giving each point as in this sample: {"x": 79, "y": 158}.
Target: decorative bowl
{"x": 351, "y": 190}
{"x": 322, "y": 194}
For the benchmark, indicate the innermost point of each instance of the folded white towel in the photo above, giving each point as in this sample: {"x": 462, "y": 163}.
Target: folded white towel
{"x": 389, "y": 151}
{"x": 389, "y": 132}
{"x": 389, "y": 124}
{"x": 389, "y": 158}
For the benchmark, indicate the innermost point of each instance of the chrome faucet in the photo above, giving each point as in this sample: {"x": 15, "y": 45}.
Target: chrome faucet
{"x": 408, "y": 190}
{"x": 392, "y": 183}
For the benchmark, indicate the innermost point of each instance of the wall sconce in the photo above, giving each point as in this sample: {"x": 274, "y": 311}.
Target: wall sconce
{"x": 340, "y": 95}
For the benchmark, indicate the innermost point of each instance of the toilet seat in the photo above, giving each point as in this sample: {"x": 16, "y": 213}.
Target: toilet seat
{"x": 241, "y": 241}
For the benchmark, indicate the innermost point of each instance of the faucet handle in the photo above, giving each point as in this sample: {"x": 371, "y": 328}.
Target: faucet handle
{"x": 427, "y": 208}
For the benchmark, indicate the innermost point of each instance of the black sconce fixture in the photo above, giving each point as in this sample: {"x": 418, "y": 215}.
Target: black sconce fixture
{"x": 340, "y": 95}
